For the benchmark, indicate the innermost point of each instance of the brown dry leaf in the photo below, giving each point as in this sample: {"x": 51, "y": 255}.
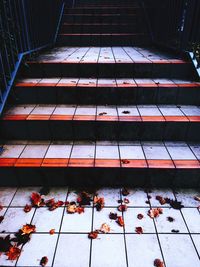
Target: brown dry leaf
{"x": 170, "y": 219}
{"x": 27, "y": 208}
{"x": 93, "y": 234}
{"x": 102, "y": 113}
{"x": 126, "y": 112}
{"x": 161, "y": 200}
{"x": 140, "y": 216}
{"x": 71, "y": 208}
{"x": 105, "y": 228}
{"x": 139, "y": 230}
{"x": 120, "y": 221}
{"x": 44, "y": 261}
{"x": 99, "y": 203}
{"x": 37, "y": 200}
{"x": 52, "y": 232}
{"x": 1, "y": 219}
{"x": 158, "y": 263}
{"x": 13, "y": 253}
{"x": 28, "y": 229}
{"x": 125, "y": 192}
{"x": 122, "y": 207}
{"x": 84, "y": 199}
{"x": 113, "y": 216}
{"x": 154, "y": 213}
{"x": 125, "y": 161}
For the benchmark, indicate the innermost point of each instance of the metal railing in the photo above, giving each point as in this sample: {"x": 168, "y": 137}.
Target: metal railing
{"x": 26, "y": 26}
{"x": 175, "y": 23}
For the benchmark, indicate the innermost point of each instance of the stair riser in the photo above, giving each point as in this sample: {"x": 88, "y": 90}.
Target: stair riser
{"x": 137, "y": 177}
{"x": 105, "y": 70}
{"x": 129, "y": 28}
{"x": 100, "y": 19}
{"x": 100, "y": 130}
{"x": 103, "y": 10}
{"x": 107, "y": 95}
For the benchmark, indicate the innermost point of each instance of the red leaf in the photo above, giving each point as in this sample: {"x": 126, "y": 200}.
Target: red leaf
{"x": 158, "y": 263}
{"x": 44, "y": 261}
{"x": 125, "y": 161}
{"x": 37, "y": 200}
{"x": 52, "y": 232}
{"x": 80, "y": 210}
{"x": 99, "y": 203}
{"x": 93, "y": 234}
{"x": 27, "y": 208}
{"x": 126, "y": 201}
{"x": 139, "y": 230}
{"x": 154, "y": 213}
{"x": 161, "y": 200}
{"x": 140, "y": 216}
{"x": 28, "y": 229}
{"x": 1, "y": 207}
{"x": 122, "y": 208}
{"x": 13, "y": 253}
{"x": 120, "y": 221}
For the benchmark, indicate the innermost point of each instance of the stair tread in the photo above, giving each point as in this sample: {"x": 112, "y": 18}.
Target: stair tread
{"x": 134, "y": 113}
{"x": 101, "y": 154}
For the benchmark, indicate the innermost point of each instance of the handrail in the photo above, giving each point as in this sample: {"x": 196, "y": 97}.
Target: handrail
{"x": 26, "y": 26}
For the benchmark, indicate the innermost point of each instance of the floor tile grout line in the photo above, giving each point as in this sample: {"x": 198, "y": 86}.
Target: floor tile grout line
{"x": 124, "y": 232}
{"x": 188, "y": 231}
{"x": 91, "y": 241}
{"x": 59, "y": 233}
{"x": 7, "y": 207}
{"x": 156, "y": 232}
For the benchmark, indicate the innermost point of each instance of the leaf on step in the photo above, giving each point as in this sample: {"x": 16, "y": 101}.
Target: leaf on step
{"x": 84, "y": 199}
{"x": 1, "y": 219}
{"x": 52, "y": 204}
{"x": 52, "y": 232}
{"x": 13, "y": 253}
{"x": 170, "y": 219}
{"x": 126, "y": 112}
{"x": 93, "y": 234}
{"x": 125, "y": 161}
{"x": 37, "y": 200}
{"x": 28, "y": 229}
{"x": 44, "y": 261}
{"x": 71, "y": 208}
{"x": 126, "y": 201}
{"x": 139, "y": 230}
{"x": 113, "y": 216}
{"x": 158, "y": 263}
{"x": 105, "y": 228}
{"x": 122, "y": 207}
{"x": 27, "y": 208}
{"x": 5, "y": 243}
{"x": 99, "y": 203}
{"x": 140, "y": 216}
{"x": 177, "y": 205}
{"x": 102, "y": 113}
{"x": 120, "y": 221}
{"x": 125, "y": 192}
{"x": 161, "y": 200}
{"x": 126, "y": 83}
{"x": 154, "y": 213}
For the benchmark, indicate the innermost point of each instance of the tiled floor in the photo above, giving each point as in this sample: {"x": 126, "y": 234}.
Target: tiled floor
{"x": 122, "y": 246}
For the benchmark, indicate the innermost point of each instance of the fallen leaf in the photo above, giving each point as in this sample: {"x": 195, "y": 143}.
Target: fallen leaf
{"x": 1, "y": 207}
{"x": 27, "y": 208}
{"x": 154, "y": 213}
{"x": 37, "y": 200}
{"x": 125, "y": 161}
{"x": 126, "y": 201}
{"x": 126, "y": 112}
{"x": 52, "y": 232}
{"x": 21, "y": 238}
{"x": 84, "y": 199}
{"x": 170, "y": 219}
{"x": 44, "y": 261}
{"x": 122, "y": 207}
{"x": 113, "y": 216}
{"x": 93, "y": 234}
{"x": 158, "y": 263}
{"x": 105, "y": 228}
{"x": 120, "y": 221}
{"x": 126, "y": 83}
{"x": 125, "y": 192}
{"x": 5, "y": 243}
{"x": 28, "y": 229}
{"x": 102, "y": 113}
{"x": 177, "y": 205}
{"x": 1, "y": 219}
{"x": 175, "y": 231}
{"x": 139, "y": 230}
{"x": 80, "y": 210}
{"x": 140, "y": 216}
{"x": 13, "y": 253}
{"x": 71, "y": 208}
{"x": 99, "y": 203}
{"x": 161, "y": 200}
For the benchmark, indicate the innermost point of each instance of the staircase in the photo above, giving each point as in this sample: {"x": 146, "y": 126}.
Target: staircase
{"x": 103, "y": 107}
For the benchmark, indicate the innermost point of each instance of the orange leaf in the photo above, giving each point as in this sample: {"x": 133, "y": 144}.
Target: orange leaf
{"x": 13, "y": 253}
{"x": 28, "y": 229}
{"x": 120, "y": 221}
{"x": 52, "y": 232}
{"x": 105, "y": 228}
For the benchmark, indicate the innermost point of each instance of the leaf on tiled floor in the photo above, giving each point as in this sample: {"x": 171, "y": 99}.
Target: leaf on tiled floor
{"x": 122, "y": 207}
{"x": 139, "y": 230}
{"x": 28, "y": 229}
{"x": 125, "y": 192}
{"x": 158, "y": 263}
{"x": 99, "y": 203}
{"x": 5, "y": 243}
{"x": 105, "y": 228}
{"x": 52, "y": 232}
{"x": 170, "y": 219}
{"x": 120, "y": 221}
{"x": 154, "y": 213}
{"x": 13, "y": 253}
{"x": 140, "y": 216}
{"x": 44, "y": 261}
{"x": 93, "y": 234}
{"x": 37, "y": 200}
{"x": 27, "y": 208}
{"x": 1, "y": 219}
{"x": 84, "y": 199}
{"x": 113, "y": 216}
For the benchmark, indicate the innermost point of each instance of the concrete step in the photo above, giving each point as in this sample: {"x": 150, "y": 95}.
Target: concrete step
{"x": 72, "y": 122}
{"x": 96, "y": 91}
{"x": 111, "y": 163}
